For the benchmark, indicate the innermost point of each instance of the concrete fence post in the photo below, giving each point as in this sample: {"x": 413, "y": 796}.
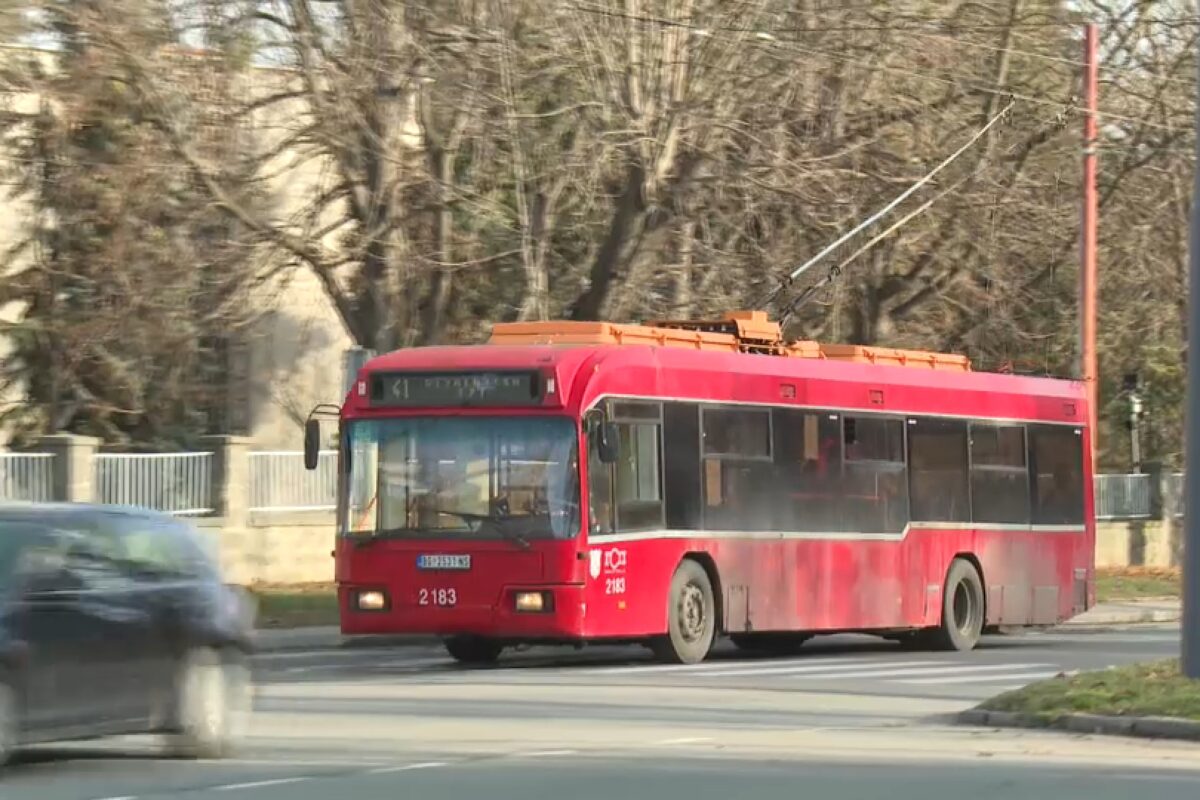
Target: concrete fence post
{"x": 230, "y": 478}
{"x": 74, "y": 469}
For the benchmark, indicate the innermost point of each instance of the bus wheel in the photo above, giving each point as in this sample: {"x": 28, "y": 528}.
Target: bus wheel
{"x": 691, "y": 617}
{"x": 473, "y": 650}
{"x": 769, "y": 642}
{"x": 962, "y": 609}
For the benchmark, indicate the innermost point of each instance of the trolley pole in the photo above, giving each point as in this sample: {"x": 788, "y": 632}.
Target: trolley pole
{"x": 1087, "y": 267}
{"x": 1191, "y": 543}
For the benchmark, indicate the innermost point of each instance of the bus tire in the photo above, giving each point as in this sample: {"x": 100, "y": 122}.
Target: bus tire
{"x": 963, "y": 613}
{"x": 774, "y": 643}
{"x": 473, "y": 650}
{"x": 691, "y": 617}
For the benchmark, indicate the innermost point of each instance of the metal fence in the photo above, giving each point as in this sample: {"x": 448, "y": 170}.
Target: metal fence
{"x": 27, "y": 477}
{"x": 176, "y": 483}
{"x": 279, "y": 482}
{"x": 1173, "y": 488}
{"x": 1123, "y": 496}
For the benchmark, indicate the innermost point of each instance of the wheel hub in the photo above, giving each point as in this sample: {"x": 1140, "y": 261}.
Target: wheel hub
{"x": 964, "y": 608}
{"x": 692, "y": 617}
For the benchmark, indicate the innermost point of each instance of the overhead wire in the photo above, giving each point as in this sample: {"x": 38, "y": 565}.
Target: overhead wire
{"x": 881, "y": 213}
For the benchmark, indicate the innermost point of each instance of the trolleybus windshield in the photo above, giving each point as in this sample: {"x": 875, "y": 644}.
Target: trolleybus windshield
{"x": 462, "y": 477}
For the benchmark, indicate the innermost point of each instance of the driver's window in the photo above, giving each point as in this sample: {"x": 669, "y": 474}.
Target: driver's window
{"x": 600, "y": 482}
{"x": 627, "y": 495}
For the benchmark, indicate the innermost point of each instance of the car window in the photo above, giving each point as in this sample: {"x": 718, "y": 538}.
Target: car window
{"x": 16, "y": 538}
{"x": 91, "y": 554}
{"x": 162, "y": 548}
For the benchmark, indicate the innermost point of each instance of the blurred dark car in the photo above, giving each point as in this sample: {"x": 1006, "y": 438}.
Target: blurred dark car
{"x": 116, "y": 621}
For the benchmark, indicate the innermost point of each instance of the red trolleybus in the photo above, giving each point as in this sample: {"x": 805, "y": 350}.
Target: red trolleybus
{"x": 673, "y": 482}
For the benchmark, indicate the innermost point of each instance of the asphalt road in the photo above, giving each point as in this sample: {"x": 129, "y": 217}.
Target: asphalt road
{"x": 846, "y": 716}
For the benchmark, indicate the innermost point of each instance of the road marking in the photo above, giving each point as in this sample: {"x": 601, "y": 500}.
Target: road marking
{"x": 1008, "y": 676}
{"x": 233, "y": 787}
{"x": 546, "y": 753}
{"x": 887, "y": 672}
{"x": 714, "y": 667}
{"x": 407, "y": 767}
{"x": 827, "y": 665}
{"x": 122, "y": 797}
{"x": 685, "y": 740}
{"x": 1104, "y": 638}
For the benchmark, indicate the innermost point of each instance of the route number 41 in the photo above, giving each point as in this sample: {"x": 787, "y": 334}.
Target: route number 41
{"x": 437, "y": 597}
{"x": 614, "y": 586}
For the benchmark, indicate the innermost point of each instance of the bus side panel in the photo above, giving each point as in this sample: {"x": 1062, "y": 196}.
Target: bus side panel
{"x": 627, "y": 584}
{"x": 833, "y": 585}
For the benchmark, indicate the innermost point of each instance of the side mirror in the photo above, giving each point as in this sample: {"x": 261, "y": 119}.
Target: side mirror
{"x": 608, "y": 446}
{"x": 312, "y": 444}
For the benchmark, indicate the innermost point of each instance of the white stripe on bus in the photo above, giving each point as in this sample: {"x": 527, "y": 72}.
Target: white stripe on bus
{"x": 845, "y": 536}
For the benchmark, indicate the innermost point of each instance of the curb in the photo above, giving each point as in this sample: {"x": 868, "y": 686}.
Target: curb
{"x": 1143, "y": 727}
{"x": 1148, "y": 616}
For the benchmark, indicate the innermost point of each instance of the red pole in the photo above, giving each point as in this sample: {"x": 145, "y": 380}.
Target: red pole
{"x": 1087, "y": 270}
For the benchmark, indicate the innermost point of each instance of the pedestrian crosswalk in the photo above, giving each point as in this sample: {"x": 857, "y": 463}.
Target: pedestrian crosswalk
{"x": 955, "y": 673}
{"x": 867, "y": 669}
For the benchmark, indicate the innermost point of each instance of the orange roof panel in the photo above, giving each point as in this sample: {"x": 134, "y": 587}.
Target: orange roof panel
{"x": 738, "y": 331}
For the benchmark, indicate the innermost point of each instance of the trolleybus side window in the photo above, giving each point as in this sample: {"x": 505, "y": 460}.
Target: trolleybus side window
{"x": 1056, "y": 467}
{"x": 681, "y": 466}
{"x": 627, "y": 495}
{"x": 937, "y": 470}
{"x": 999, "y": 476}
{"x": 808, "y": 466}
{"x": 599, "y": 478}
{"x": 874, "y": 484}
{"x": 738, "y": 471}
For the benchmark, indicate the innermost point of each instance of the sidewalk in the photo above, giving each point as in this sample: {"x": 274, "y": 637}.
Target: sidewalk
{"x": 1131, "y": 612}
{"x": 328, "y": 638}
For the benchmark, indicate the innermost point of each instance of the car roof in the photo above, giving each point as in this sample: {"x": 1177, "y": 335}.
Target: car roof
{"x": 59, "y": 511}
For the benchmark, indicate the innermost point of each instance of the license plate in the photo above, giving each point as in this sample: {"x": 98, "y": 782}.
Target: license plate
{"x": 443, "y": 562}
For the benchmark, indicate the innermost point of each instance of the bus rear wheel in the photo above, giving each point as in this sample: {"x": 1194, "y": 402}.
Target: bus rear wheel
{"x": 691, "y": 617}
{"x": 963, "y": 613}
{"x": 473, "y": 650}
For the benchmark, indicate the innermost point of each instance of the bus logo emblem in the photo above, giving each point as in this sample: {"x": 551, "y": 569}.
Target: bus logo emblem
{"x": 594, "y": 562}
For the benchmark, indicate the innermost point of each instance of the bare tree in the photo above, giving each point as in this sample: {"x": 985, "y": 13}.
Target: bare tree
{"x": 132, "y": 285}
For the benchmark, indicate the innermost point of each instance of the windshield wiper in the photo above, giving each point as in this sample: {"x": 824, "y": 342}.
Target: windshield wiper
{"x": 364, "y": 539}
{"x": 495, "y": 519}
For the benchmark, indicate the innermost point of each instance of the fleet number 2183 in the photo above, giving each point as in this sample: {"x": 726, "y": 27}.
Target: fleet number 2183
{"x": 437, "y": 597}
{"x": 614, "y": 586}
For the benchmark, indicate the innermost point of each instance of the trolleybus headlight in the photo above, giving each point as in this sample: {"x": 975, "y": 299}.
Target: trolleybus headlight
{"x": 372, "y": 600}
{"x": 534, "y": 602}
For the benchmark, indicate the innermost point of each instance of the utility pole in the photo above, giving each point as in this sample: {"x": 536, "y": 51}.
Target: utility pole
{"x": 1135, "y": 432}
{"x": 1087, "y": 267}
{"x": 1191, "y": 523}
{"x": 1133, "y": 388}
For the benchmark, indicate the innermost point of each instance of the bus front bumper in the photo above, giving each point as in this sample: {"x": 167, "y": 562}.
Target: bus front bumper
{"x": 514, "y": 616}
